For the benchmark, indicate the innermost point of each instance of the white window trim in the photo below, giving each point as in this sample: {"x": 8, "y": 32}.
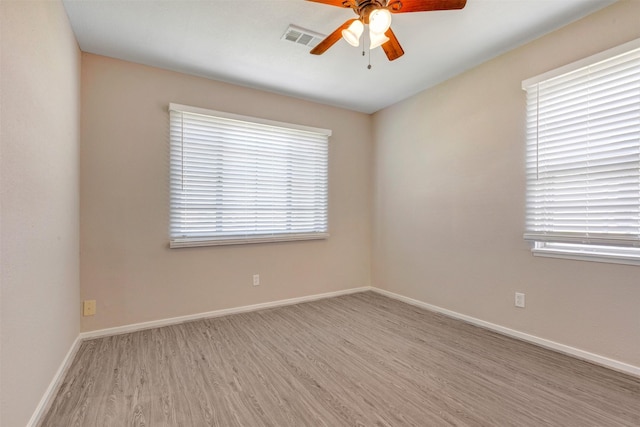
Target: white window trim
{"x": 542, "y": 249}
{"x": 543, "y": 245}
{"x": 195, "y": 242}
{"x": 180, "y": 242}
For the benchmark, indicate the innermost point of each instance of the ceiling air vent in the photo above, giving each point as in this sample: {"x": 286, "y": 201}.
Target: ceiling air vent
{"x": 301, "y": 36}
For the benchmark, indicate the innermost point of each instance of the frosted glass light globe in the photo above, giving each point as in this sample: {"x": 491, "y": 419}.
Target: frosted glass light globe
{"x": 379, "y": 21}
{"x": 353, "y": 33}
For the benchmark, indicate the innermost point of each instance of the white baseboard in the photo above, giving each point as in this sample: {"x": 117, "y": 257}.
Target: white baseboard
{"x": 216, "y": 313}
{"x": 50, "y": 393}
{"x": 542, "y": 342}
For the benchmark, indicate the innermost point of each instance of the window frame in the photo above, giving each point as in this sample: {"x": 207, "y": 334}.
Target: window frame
{"x": 598, "y": 249}
{"x": 177, "y": 175}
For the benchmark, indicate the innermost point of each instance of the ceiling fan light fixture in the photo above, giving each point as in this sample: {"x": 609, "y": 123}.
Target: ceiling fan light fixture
{"x": 379, "y": 21}
{"x": 377, "y": 39}
{"x": 353, "y": 33}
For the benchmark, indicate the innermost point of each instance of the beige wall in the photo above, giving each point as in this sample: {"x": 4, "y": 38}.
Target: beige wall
{"x": 39, "y": 172}
{"x": 125, "y": 261}
{"x": 449, "y": 203}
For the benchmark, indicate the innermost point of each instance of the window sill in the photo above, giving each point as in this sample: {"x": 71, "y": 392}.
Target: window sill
{"x": 581, "y": 254}
{"x": 201, "y": 242}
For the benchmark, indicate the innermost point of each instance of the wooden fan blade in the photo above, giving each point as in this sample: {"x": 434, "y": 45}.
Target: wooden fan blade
{"x": 339, "y": 3}
{"x": 331, "y": 39}
{"x": 405, "y": 6}
{"x": 392, "y": 48}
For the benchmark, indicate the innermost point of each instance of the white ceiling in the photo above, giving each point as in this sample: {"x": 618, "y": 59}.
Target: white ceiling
{"x": 239, "y": 41}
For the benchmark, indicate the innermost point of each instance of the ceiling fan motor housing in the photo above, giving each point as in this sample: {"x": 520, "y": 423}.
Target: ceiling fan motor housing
{"x": 364, "y": 8}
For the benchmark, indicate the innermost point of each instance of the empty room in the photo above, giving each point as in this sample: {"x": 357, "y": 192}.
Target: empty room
{"x": 319, "y": 213}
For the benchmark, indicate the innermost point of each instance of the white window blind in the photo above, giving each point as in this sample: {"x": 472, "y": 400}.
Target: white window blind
{"x": 237, "y": 179}
{"x": 583, "y": 158}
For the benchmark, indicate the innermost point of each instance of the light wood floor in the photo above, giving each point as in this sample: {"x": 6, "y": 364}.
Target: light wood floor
{"x": 356, "y": 360}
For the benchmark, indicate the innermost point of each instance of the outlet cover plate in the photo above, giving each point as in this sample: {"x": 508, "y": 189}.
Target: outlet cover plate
{"x": 519, "y": 300}
{"x": 89, "y": 307}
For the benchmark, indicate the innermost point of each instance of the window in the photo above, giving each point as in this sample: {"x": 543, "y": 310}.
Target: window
{"x": 583, "y": 159}
{"x": 237, "y": 179}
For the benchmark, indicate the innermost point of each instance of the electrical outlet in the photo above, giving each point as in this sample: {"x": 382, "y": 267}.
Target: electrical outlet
{"x": 89, "y": 307}
{"x": 519, "y": 300}
{"x": 256, "y": 280}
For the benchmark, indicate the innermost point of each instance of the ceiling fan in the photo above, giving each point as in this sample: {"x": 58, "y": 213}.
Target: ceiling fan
{"x": 377, "y": 14}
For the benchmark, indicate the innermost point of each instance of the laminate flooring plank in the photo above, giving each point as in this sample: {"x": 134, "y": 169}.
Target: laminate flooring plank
{"x": 356, "y": 360}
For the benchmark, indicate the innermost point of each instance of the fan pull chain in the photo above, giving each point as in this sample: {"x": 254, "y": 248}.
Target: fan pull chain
{"x": 368, "y": 66}
{"x": 364, "y": 44}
